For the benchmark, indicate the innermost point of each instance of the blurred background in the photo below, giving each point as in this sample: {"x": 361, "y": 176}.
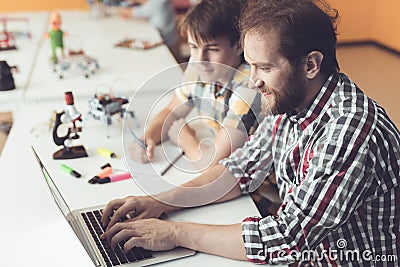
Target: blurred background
{"x": 368, "y": 41}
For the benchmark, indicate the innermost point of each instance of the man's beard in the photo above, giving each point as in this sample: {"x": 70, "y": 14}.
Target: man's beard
{"x": 287, "y": 98}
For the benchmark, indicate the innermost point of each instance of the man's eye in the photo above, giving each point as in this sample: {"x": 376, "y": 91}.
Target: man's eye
{"x": 264, "y": 68}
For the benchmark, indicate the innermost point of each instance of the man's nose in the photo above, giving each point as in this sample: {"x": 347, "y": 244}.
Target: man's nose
{"x": 255, "y": 82}
{"x": 259, "y": 82}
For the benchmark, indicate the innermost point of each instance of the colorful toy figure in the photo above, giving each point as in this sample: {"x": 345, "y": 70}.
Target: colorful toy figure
{"x": 56, "y": 36}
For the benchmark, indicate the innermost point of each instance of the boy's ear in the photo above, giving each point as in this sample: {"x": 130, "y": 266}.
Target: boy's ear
{"x": 238, "y": 48}
{"x": 313, "y": 64}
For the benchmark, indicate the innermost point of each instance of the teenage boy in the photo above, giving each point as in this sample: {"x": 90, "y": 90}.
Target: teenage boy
{"x": 220, "y": 91}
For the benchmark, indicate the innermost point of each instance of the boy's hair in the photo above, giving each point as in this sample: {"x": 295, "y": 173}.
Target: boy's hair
{"x": 302, "y": 26}
{"x": 211, "y": 19}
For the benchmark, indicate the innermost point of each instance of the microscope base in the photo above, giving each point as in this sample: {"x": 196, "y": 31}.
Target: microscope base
{"x": 70, "y": 153}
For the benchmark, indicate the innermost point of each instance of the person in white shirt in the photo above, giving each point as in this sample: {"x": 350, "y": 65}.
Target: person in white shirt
{"x": 161, "y": 14}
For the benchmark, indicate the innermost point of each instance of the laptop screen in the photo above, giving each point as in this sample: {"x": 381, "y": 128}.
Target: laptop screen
{"x": 61, "y": 203}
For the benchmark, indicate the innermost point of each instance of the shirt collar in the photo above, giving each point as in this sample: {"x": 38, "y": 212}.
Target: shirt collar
{"x": 320, "y": 103}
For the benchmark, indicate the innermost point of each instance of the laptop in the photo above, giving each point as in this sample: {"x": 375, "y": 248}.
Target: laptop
{"x": 87, "y": 227}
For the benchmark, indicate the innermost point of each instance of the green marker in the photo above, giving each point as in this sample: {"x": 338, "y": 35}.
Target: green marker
{"x": 70, "y": 170}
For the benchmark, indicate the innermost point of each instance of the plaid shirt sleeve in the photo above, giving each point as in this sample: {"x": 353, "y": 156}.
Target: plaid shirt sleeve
{"x": 253, "y": 162}
{"x": 336, "y": 182}
{"x": 185, "y": 92}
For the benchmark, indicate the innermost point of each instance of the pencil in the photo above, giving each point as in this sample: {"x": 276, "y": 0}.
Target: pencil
{"x": 137, "y": 140}
{"x": 172, "y": 164}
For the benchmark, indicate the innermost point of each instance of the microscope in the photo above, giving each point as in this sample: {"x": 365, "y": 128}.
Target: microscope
{"x": 69, "y": 115}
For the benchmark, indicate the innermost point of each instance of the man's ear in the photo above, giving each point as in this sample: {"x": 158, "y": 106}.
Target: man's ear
{"x": 313, "y": 64}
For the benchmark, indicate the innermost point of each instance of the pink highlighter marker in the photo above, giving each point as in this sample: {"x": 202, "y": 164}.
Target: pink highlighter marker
{"x": 114, "y": 178}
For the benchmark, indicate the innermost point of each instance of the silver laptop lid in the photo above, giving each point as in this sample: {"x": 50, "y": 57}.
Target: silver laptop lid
{"x": 60, "y": 201}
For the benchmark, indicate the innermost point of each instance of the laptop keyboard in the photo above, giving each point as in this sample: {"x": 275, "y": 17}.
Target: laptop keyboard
{"x": 112, "y": 257}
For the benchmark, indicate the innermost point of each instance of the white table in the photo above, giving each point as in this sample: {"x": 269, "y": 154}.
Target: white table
{"x": 24, "y": 57}
{"x": 123, "y": 70}
{"x": 33, "y": 231}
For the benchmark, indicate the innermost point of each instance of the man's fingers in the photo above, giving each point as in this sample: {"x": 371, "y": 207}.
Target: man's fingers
{"x": 135, "y": 242}
{"x": 109, "y": 234}
{"x": 121, "y": 213}
{"x": 122, "y": 235}
{"x": 150, "y": 149}
{"x": 151, "y": 234}
{"x": 137, "y": 153}
{"x": 141, "y": 215}
{"x": 109, "y": 210}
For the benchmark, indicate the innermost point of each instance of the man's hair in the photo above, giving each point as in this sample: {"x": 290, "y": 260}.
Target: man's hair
{"x": 211, "y": 19}
{"x": 301, "y": 26}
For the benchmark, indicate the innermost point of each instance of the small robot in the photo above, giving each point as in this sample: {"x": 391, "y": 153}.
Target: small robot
{"x": 7, "y": 41}
{"x": 8, "y": 38}
{"x": 104, "y": 107}
{"x": 78, "y": 59}
{"x": 140, "y": 44}
{"x": 69, "y": 115}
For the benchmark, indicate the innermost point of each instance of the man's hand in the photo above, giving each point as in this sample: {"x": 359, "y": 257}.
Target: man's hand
{"x": 138, "y": 154}
{"x": 131, "y": 207}
{"x": 180, "y": 131}
{"x": 156, "y": 235}
{"x": 151, "y": 234}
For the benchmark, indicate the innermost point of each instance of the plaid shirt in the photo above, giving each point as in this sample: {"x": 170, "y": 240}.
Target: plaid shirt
{"x": 233, "y": 105}
{"x": 337, "y": 168}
